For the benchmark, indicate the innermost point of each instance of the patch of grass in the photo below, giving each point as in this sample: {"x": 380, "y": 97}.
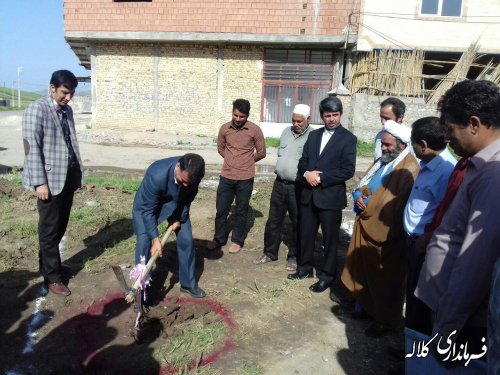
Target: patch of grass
{"x": 274, "y": 293}
{"x": 251, "y": 369}
{"x": 84, "y": 215}
{"x": 272, "y": 142}
{"x": 25, "y": 96}
{"x": 5, "y": 212}
{"x": 107, "y": 258}
{"x": 162, "y": 228}
{"x": 205, "y": 370}
{"x": 15, "y": 177}
{"x": 365, "y": 149}
{"x": 126, "y": 184}
{"x": 234, "y": 291}
{"x": 198, "y": 340}
{"x": 25, "y": 229}
{"x": 7, "y": 265}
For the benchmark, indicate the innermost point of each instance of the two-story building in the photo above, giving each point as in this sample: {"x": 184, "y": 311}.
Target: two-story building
{"x": 178, "y": 65}
{"x": 443, "y": 29}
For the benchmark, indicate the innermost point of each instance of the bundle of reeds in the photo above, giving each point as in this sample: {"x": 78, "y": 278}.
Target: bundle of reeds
{"x": 491, "y": 72}
{"x": 388, "y": 72}
{"x": 457, "y": 74}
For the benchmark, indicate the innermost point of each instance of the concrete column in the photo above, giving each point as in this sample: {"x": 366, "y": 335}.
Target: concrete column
{"x": 348, "y": 68}
{"x": 156, "y": 103}
{"x": 338, "y": 68}
{"x": 220, "y": 83}
{"x": 93, "y": 89}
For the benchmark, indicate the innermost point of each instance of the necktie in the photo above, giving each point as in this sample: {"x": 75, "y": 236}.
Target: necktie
{"x": 67, "y": 133}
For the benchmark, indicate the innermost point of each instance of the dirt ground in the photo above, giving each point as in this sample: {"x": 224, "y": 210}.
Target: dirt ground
{"x": 258, "y": 322}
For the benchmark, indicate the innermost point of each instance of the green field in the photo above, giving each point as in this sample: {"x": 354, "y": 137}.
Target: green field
{"x": 26, "y": 98}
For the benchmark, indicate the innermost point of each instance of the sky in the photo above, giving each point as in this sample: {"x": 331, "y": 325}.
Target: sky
{"x": 32, "y": 37}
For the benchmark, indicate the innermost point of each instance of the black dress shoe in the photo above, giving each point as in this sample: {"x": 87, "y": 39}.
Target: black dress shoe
{"x": 195, "y": 292}
{"x": 320, "y": 286}
{"x": 300, "y": 275}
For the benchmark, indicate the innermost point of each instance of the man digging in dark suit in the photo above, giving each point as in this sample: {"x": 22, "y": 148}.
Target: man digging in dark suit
{"x": 166, "y": 192}
{"x": 328, "y": 161}
{"x": 53, "y": 169}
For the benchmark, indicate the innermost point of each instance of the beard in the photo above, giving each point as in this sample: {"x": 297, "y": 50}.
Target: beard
{"x": 390, "y": 156}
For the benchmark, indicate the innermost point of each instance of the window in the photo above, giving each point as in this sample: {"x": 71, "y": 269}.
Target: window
{"x": 446, "y": 8}
{"x": 292, "y": 77}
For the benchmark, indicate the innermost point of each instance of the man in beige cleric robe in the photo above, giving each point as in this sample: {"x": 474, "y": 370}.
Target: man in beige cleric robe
{"x": 375, "y": 268}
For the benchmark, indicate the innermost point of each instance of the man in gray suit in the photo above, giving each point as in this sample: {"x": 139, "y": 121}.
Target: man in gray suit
{"x": 53, "y": 169}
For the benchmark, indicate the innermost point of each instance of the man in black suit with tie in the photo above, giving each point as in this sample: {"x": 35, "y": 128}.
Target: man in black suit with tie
{"x": 327, "y": 162}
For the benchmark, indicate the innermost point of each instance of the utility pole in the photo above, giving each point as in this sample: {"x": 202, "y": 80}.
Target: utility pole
{"x": 19, "y": 70}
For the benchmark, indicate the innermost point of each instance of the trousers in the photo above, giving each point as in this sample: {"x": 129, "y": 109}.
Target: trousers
{"x": 227, "y": 191}
{"x": 284, "y": 198}
{"x": 311, "y": 217}
{"x": 53, "y": 217}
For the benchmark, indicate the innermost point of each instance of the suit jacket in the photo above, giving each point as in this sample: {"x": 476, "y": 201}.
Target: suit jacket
{"x": 159, "y": 198}
{"x": 337, "y": 163}
{"x": 46, "y": 153}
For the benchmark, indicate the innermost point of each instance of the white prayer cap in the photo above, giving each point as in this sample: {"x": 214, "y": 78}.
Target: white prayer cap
{"x": 401, "y": 132}
{"x": 302, "y": 109}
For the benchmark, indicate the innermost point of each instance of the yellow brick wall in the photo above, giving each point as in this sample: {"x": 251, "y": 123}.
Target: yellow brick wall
{"x": 123, "y": 79}
{"x": 187, "y": 92}
{"x": 242, "y": 79}
{"x": 190, "y": 97}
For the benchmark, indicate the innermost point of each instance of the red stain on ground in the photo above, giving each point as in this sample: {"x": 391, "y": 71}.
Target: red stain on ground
{"x": 228, "y": 320}
{"x": 97, "y": 308}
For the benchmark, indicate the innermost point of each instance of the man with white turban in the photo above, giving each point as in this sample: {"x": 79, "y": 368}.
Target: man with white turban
{"x": 375, "y": 268}
{"x": 286, "y": 189}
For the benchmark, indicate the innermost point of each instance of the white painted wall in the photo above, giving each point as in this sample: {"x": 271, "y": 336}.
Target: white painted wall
{"x": 399, "y": 24}
{"x": 274, "y": 129}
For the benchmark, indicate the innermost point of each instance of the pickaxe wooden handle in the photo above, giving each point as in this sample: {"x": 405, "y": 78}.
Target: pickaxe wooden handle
{"x": 132, "y": 292}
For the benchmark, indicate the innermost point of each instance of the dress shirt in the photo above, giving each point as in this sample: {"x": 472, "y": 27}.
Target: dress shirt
{"x": 241, "y": 148}
{"x": 327, "y": 134}
{"x": 456, "y": 275}
{"x": 427, "y": 192}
